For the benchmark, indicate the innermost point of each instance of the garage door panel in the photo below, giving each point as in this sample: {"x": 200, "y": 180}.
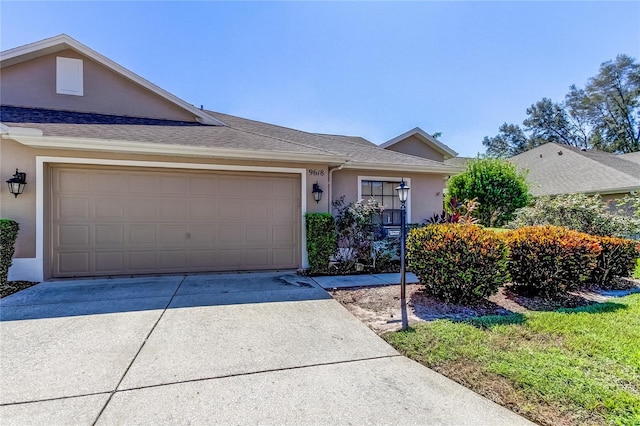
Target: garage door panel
{"x": 284, "y": 257}
{"x": 172, "y": 235}
{"x": 123, "y": 221}
{"x": 108, "y": 262}
{"x": 142, "y": 209}
{"x": 141, "y": 261}
{"x": 231, "y": 210}
{"x": 73, "y": 180}
{"x": 109, "y": 208}
{"x": 74, "y": 263}
{"x": 142, "y": 183}
{"x": 203, "y": 234}
{"x": 109, "y": 235}
{"x": 172, "y": 209}
{"x": 142, "y": 235}
{"x": 203, "y": 208}
{"x": 72, "y": 208}
{"x": 73, "y": 235}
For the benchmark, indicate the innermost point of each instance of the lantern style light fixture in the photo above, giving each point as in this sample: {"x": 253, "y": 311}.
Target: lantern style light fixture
{"x": 17, "y": 183}
{"x": 403, "y": 195}
{"x": 317, "y": 192}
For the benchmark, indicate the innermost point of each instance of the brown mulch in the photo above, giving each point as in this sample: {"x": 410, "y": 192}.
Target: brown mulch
{"x": 11, "y": 287}
{"x": 379, "y": 307}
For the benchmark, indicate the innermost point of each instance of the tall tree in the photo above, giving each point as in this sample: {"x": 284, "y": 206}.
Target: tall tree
{"x": 509, "y": 142}
{"x": 604, "y": 115}
{"x": 612, "y": 104}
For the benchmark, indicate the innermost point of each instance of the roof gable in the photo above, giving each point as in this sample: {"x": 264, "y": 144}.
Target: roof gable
{"x": 425, "y": 138}
{"x": 63, "y": 43}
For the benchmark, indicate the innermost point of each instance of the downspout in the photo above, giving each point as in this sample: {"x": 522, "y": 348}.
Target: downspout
{"x": 330, "y": 184}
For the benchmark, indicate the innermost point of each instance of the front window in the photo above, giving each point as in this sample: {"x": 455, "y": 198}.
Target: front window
{"x": 384, "y": 192}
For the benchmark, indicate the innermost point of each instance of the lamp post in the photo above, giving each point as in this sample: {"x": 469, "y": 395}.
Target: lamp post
{"x": 403, "y": 194}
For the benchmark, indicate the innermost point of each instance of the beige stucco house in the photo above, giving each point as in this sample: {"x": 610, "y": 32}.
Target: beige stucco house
{"x": 125, "y": 178}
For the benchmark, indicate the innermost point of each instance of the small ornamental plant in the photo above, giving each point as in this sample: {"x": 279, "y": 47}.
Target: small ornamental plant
{"x": 457, "y": 263}
{"x": 618, "y": 258}
{"x": 550, "y": 260}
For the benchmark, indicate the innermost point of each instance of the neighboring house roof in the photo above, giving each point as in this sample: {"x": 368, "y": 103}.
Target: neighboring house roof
{"x": 554, "y": 169}
{"x": 63, "y": 42}
{"x": 460, "y": 162}
{"x": 240, "y": 138}
{"x": 632, "y": 156}
{"x": 425, "y": 138}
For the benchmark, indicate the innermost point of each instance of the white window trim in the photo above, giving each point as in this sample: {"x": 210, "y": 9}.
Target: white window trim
{"x": 387, "y": 179}
{"x": 33, "y": 268}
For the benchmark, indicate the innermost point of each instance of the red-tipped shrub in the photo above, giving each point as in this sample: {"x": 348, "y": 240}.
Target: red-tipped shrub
{"x": 457, "y": 263}
{"x": 550, "y": 260}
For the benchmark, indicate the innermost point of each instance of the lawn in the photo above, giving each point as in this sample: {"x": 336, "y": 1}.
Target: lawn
{"x": 569, "y": 367}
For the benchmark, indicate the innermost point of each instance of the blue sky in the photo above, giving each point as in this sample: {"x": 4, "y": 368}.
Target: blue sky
{"x": 373, "y": 69}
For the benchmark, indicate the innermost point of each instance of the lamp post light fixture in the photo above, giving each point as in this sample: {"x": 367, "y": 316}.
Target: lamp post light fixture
{"x": 17, "y": 183}
{"x": 317, "y": 192}
{"x": 403, "y": 195}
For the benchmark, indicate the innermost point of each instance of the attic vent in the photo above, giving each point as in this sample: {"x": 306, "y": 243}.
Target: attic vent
{"x": 69, "y": 76}
{"x": 559, "y": 152}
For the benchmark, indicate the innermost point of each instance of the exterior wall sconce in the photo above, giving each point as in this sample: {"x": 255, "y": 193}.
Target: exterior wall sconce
{"x": 317, "y": 192}
{"x": 17, "y": 183}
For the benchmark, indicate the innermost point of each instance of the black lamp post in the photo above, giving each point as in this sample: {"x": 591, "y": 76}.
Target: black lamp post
{"x": 403, "y": 194}
{"x": 17, "y": 183}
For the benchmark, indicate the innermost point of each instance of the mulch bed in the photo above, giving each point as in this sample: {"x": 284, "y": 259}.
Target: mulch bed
{"x": 14, "y": 287}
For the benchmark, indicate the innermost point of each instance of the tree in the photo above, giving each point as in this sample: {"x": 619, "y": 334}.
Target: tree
{"x": 498, "y": 186}
{"x": 509, "y": 142}
{"x": 604, "y": 115}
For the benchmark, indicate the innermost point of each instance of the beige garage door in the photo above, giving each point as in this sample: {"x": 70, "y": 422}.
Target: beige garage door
{"x": 126, "y": 221}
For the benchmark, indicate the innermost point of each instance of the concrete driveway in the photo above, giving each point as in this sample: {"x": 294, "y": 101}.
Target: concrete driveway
{"x": 264, "y": 348}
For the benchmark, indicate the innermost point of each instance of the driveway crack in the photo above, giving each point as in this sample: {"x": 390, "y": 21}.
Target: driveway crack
{"x": 138, "y": 352}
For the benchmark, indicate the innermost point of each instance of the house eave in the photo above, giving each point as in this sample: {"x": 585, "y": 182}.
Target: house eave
{"x": 425, "y": 138}
{"x": 151, "y": 148}
{"x": 446, "y": 171}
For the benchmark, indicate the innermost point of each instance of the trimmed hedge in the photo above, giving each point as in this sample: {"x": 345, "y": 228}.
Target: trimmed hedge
{"x": 321, "y": 241}
{"x": 550, "y": 260}
{"x": 8, "y": 235}
{"x": 457, "y": 263}
{"x": 617, "y": 259}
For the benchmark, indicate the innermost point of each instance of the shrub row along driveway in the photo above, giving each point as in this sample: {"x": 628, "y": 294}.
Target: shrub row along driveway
{"x": 232, "y": 349}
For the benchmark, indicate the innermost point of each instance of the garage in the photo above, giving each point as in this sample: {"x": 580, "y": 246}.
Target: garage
{"x": 124, "y": 221}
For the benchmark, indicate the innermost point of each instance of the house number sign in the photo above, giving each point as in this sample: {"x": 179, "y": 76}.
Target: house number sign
{"x": 316, "y": 172}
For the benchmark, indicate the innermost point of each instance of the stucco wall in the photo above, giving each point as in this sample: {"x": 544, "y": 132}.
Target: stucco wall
{"x": 413, "y": 146}
{"x": 33, "y": 84}
{"x": 425, "y": 194}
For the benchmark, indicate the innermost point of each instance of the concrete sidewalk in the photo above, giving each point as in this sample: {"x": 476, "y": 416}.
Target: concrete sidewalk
{"x": 212, "y": 349}
{"x": 329, "y": 282}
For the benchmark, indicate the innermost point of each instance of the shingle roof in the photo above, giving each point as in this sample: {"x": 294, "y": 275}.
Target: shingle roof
{"x": 239, "y": 134}
{"x": 632, "y": 156}
{"x": 559, "y": 169}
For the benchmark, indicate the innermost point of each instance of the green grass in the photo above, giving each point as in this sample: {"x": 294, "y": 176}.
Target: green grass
{"x": 573, "y": 366}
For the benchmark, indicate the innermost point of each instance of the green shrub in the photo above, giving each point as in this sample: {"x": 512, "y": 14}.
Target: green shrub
{"x": 550, "y": 260}
{"x": 495, "y": 184}
{"x": 358, "y": 225}
{"x": 578, "y": 212}
{"x": 457, "y": 263}
{"x": 321, "y": 241}
{"x": 8, "y": 235}
{"x": 617, "y": 259}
